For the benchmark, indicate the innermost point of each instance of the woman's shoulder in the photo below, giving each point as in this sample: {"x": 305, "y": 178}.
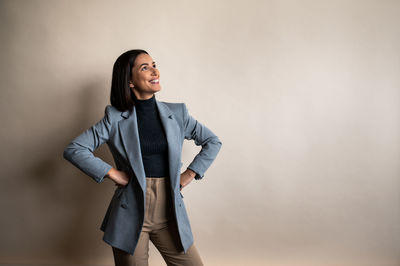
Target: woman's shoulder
{"x": 173, "y": 105}
{"x": 178, "y": 109}
{"x": 113, "y": 114}
{"x": 111, "y": 109}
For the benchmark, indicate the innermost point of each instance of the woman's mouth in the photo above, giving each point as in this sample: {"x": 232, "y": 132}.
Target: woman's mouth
{"x": 154, "y": 81}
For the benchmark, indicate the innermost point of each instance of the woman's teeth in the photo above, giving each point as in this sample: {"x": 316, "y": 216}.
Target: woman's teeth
{"x": 154, "y": 81}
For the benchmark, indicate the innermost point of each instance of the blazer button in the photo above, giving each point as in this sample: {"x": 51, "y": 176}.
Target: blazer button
{"x": 123, "y": 205}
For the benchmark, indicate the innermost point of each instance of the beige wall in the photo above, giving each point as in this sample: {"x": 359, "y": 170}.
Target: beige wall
{"x": 305, "y": 96}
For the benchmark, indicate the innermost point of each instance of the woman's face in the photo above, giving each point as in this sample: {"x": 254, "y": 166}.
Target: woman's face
{"x": 145, "y": 77}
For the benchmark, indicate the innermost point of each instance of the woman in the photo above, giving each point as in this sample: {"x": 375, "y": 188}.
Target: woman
{"x": 145, "y": 137}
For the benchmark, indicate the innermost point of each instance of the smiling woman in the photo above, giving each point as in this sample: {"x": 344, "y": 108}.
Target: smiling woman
{"x": 145, "y": 77}
{"x": 145, "y": 137}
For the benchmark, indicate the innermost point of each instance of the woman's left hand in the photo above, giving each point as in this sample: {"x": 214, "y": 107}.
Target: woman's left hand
{"x": 187, "y": 177}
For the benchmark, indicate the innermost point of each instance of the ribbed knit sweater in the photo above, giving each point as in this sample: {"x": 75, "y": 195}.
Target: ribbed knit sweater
{"x": 153, "y": 141}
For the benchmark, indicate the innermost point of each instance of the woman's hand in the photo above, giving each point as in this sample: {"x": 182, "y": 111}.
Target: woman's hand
{"x": 119, "y": 177}
{"x": 187, "y": 177}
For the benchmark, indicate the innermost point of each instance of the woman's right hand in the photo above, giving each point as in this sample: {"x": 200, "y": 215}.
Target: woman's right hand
{"x": 120, "y": 178}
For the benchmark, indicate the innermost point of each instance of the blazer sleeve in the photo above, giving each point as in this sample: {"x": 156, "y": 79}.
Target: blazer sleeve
{"x": 80, "y": 151}
{"x": 210, "y": 143}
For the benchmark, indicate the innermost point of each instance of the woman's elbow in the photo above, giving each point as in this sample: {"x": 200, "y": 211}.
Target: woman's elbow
{"x": 67, "y": 154}
{"x": 217, "y": 142}
{"x": 70, "y": 151}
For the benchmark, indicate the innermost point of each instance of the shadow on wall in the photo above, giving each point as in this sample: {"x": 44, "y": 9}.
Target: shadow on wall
{"x": 72, "y": 204}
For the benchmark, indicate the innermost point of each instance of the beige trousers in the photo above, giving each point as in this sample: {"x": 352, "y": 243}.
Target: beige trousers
{"x": 160, "y": 227}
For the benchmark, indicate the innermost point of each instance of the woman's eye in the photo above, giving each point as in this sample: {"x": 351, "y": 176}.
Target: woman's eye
{"x": 146, "y": 68}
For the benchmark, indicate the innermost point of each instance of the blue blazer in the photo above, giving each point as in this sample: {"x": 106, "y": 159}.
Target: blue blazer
{"x": 124, "y": 217}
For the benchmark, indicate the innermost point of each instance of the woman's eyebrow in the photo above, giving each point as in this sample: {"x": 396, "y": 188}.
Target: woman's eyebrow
{"x": 146, "y": 64}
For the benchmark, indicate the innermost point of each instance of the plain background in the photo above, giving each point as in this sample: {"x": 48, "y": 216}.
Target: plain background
{"x": 305, "y": 96}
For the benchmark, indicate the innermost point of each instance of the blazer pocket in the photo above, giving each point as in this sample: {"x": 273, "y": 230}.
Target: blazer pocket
{"x": 123, "y": 202}
{"x": 121, "y": 197}
{"x": 118, "y": 191}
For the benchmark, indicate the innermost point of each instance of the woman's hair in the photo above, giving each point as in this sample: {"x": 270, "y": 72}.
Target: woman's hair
{"x": 122, "y": 96}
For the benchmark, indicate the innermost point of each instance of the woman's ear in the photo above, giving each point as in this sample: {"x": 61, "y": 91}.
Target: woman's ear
{"x": 131, "y": 84}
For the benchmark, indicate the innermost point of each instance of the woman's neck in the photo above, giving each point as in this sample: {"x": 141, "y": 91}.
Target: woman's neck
{"x": 146, "y": 104}
{"x": 142, "y": 96}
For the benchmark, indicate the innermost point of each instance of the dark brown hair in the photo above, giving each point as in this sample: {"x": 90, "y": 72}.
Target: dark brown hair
{"x": 121, "y": 96}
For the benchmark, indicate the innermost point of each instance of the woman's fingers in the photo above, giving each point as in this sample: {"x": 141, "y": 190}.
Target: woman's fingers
{"x": 120, "y": 178}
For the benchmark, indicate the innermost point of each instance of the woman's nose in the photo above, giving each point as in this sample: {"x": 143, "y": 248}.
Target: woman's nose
{"x": 154, "y": 71}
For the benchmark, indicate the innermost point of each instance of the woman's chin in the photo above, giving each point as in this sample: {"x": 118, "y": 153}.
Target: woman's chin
{"x": 157, "y": 89}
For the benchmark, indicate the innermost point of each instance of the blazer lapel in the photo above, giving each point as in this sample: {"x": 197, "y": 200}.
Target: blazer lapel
{"x": 172, "y": 131}
{"x": 128, "y": 129}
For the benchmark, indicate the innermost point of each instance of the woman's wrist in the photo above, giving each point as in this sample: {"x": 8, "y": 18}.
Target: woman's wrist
{"x": 110, "y": 173}
{"x": 191, "y": 173}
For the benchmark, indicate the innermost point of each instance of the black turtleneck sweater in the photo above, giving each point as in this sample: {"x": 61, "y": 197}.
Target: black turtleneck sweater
{"x": 153, "y": 141}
